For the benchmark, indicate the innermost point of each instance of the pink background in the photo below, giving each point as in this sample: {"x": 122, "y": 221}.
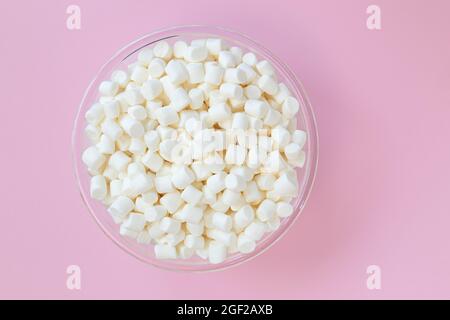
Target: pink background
{"x": 382, "y": 101}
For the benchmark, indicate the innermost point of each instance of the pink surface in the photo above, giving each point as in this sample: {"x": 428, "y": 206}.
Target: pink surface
{"x": 382, "y": 102}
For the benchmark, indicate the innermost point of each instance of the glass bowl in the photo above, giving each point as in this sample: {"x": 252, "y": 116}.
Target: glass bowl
{"x": 127, "y": 55}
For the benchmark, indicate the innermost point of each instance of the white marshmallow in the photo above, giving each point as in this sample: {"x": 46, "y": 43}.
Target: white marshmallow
{"x": 196, "y": 97}
{"x": 108, "y": 88}
{"x": 142, "y": 183}
{"x": 92, "y": 158}
{"x": 139, "y": 74}
{"x": 151, "y": 89}
{"x": 234, "y": 75}
{"x": 145, "y": 56}
{"x": 196, "y": 72}
{"x": 120, "y": 77}
{"x": 163, "y": 184}
{"x": 156, "y": 68}
{"x": 245, "y": 244}
{"x": 154, "y": 231}
{"x": 255, "y": 230}
{"x": 250, "y": 58}
{"x": 265, "y": 181}
{"x": 98, "y": 187}
{"x": 244, "y": 216}
{"x": 217, "y": 252}
{"x": 180, "y": 99}
{"x": 155, "y": 213}
{"x": 231, "y": 91}
{"x": 215, "y": 46}
{"x": 256, "y": 108}
{"x": 165, "y": 251}
{"x": 111, "y": 129}
{"x": 266, "y": 210}
{"x": 195, "y": 229}
{"x": 268, "y": 85}
{"x": 219, "y": 112}
{"x": 182, "y": 177}
{"x": 166, "y": 115}
{"x": 171, "y": 201}
{"x": 111, "y": 109}
{"x": 135, "y": 221}
{"x": 216, "y": 182}
{"x": 226, "y": 59}
{"x": 231, "y": 198}
{"x": 222, "y": 221}
{"x": 290, "y": 107}
{"x": 185, "y": 252}
{"x": 106, "y": 145}
{"x": 177, "y": 72}
{"x": 121, "y": 207}
{"x": 169, "y": 225}
{"x": 234, "y": 182}
{"x": 264, "y": 67}
{"x": 131, "y": 126}
{"x": 214, "y": 73}
{"x": 252, "y": 92}
{"x": 272, "y": 118}
{"x": 179, "y": 49}
{"x": 190, "y": 213}
{"x": 194, "y": 242}
{"x": 162, "y": 50}
{"x": 286, "y": 185}
{"x": 119, "y": 161}
{"x": 196, "y": 54}
{"x": 191, "y": 195}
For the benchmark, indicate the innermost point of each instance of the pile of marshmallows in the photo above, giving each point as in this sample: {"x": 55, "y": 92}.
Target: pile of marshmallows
{"x": 194, "y": 149}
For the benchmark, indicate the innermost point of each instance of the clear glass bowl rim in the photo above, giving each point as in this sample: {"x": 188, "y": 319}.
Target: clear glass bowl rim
{"x": 307, "y": 111}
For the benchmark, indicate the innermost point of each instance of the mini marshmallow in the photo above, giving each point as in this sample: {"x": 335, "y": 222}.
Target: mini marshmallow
{"x": 131, "y": 126}
{"x": 163, "y": 184}
{"x": 244, "y": 216}
{"x": 137, "y": 112}
{"x": 214, "y": 45}
{"x": 292, "y": 151}
{"x": 98, "y": 187}
{"x": 180, "y": 99}
{"x": 272, "y": 118}
{"x": 121, "y": 207}
{"x": 119, "y": 161}
{"x": 237, "y": 53}
{"x": 214, "y": 73}
{"x": 231, "y": 91}
{"x": 235, "y": 154}
{"x": 190, "y": 213}
{"x": 111, "y": 129}
{"x": 286, "y": 185}
{"x": 165, "y": 251}
{"x": 196, "y": 97}
{"x": 299, "y": 137}
{"x": 256, "y": 108}
{"x": 145, "y": 56}
{"x": 196, "y": 72}
{"x": 120, "y": 77}
{"x": 255, "y": 230}
{"x": 227, "y": 238}
{"x": 240, "y": 121}
{"x": 265, "y": 181}
{"x": 154, "y": 231}
{"x": 133, "y": 97}
{"x": 195, "y": 229}
{"x": 162, "y": 50}
{"x": 92, "y": 158}
{"x": 153, "y": 161}
{"x": 108, "y": 88}
{"x": 290, "y": 107}
{"x": 266, "y": 210}
{"x": 115, "y": 188}
{"x": 191, "y": 195}
{"x": 219, "y": 112}
{"x": 156, "y": 68}
{"x": 235, "y": 75}
{"x": 250, "y": 58}
{"x": 226, "y": 59}
{"x": 216, "y": 182}
{"x": 252, "y": 92}
{"x": 166, "y": 115}
{"x": 264, "y": 67}
{"x": 284, "y": 209}
{"x": 171, "y": 201}
{"x": 222, "y": 221}
{"x": 231, "y": 198}
{"x": 106, "y": 145}
{"x": 182, "y": 177}
{"x": 280, "y": 137}
{"x": 268, "y": 85}
{"x": 216, "y": 252}
{"x": 194, "y": 242}
{"x": 142, "y": 183}
{"x": 245, "y": 244}
{"x": 179, "y": 49}
{"x": 234, "y": 182}
{"x": 155, "y": 213}
{"x": 196, "y": 53}
{"x": 135, "y": 221}
{"x": 139, "y": 74}
{"x": 177, "y": 72}
{"x": 169, "y": 225}
{"x": 111, "y": 109}
{"x": 128, "y": 232}
{"x": 151, "y": 89}
{"x": 185, "y": 252}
